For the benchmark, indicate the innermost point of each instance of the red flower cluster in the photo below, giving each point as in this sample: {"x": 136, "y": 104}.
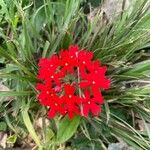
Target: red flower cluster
{"x": 71, "y": 83}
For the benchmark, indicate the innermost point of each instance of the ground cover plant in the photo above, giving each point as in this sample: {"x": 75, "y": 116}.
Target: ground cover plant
{"x": 31, "y": 30}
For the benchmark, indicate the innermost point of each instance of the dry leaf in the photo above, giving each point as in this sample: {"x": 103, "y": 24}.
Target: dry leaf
{"x": 3, "y": 139}
{"x": 5, "y": 88}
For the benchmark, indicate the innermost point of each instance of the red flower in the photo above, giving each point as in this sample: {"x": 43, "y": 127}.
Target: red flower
{"x": 71, "y": 101}
{"x": 56, "y": 106}
{"x": 95, "y": 79}
{"x": 48, "y": 65}
{"x": 94, "y": 83}
{"x": 84, "y": 59}
{"x": 72, "y": 83}
{"x": 68, "y": 59}
{"x": 91, "y": 104}
{"x": 46, "y": 95}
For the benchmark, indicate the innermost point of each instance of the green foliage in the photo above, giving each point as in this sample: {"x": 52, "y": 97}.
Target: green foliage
{"x": 11, "y": 139}
{"x": 94, "y": 3}
{"x": 30, "y": 30}
{"x": 3, "y": 126}
{"x": 29, "y": 126}
{"x": 67, "y": 129}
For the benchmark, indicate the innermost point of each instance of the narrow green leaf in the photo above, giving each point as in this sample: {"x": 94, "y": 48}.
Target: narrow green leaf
{"x": 14, "y": 93}
{"x": 67, "y": 128}
{"x": 146, "y": 127}
{"x": 46, "y": 46}
{"x": 49, "y": 134}
{"x": 29, "y": 126}
{"x": 141, "y": 67}
{"x": 17, "y": 77}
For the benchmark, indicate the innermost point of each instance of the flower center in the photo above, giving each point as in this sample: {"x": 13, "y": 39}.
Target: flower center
{"x": 66, "y": 64}
{"x": 83, "y": 62}
{"x": 89, "y": 102}
{"x": 76, "y": 54}
{"x": 52, "y": 77}
{"x": 57, "y": 88}
{"x": 70, "y": 96}
{"x": 93, "y": 82}
{"x": 47, "y": 92}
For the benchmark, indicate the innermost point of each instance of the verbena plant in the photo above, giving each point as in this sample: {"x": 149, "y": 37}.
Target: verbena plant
{"x": 30, "y": 30}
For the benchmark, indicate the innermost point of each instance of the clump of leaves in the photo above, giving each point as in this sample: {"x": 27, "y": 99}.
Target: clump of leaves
{"x": 30, "y": 30}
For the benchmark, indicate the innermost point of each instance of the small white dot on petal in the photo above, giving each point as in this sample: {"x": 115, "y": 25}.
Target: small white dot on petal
{"x": 71, "y": 56}
{"x": 56, "y": 104}
{"x": 83, "y": 62}
{"x": 52, "y": 77}
{"x": 89, "y": 102}
{"x": 66, "y": 64}
{"x": 47, "y": 92}
{"x": 70, "y": 96}
{"x": 51, "y": 65}
{"x": 93, "y": 82}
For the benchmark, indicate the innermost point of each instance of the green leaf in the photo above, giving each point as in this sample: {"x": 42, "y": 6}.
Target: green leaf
{"x": 30, "y": 127}
{"x": 141, "y": 67}
{"x": 39, "y": 18}
{"x": 46, "y": 46}
{"x": 67, "y": 128}
{"x": 14, "y": 93}
{"x": 49, "y": 135}
{"x": 12, "y": 139}
{"x": 3, "y": 126}
{"x": 16, "y": 77}
{"x": 95, "y": 3}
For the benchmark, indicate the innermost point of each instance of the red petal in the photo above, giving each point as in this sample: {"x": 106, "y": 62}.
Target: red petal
{"x": 98, "y": 98}
{"x": 71, "y": 114}
{"x": 64, "y": 54}
{"x": 73, "y": 49}
{"x": 40, "y": 86}
{"x": 104, "y": 83}
{"x": 44, "y": 99}
{"x": 90, "y": 55}
{"x": 51, "y": 113}
{"x": 96, "y": 109}
{"x": 43, "y": 62}
{"x": 101, "y": 70}
{"x": 83, "y": 55}
{"x": 69, "y": 89}
{"x": 86, "y": 109}
{"x": 84, "y": 84}
{"x": 54, "y": 59}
